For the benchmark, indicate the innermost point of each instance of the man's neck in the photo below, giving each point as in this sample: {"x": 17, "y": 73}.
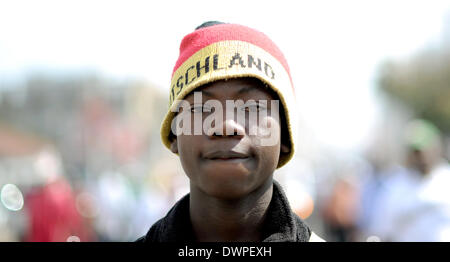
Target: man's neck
{"x": 215, "y": 219}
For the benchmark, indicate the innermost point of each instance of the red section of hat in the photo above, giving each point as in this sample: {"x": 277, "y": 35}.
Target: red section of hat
{"x": 203, "y": 37}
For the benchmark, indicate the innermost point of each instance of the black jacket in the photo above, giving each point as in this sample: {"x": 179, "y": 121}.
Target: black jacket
{"x": 280, "y": 225}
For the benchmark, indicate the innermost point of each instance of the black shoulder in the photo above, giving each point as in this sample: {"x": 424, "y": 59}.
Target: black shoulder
{"x": 152, "y": 234}
{"x": 303, "y": 230}
{"x": 141, "y": 240}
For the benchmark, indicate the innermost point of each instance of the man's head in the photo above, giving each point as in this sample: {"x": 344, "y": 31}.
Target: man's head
{"x": 227, "y": 62}
{"x": 423, "y": 143}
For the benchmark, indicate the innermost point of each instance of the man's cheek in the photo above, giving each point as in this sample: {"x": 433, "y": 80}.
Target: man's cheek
{"x": 267, "y": 132}
{"x": 187, "y": 145}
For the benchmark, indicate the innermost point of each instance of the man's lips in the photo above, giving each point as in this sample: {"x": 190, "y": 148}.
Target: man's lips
{"x": 222, "y": 155}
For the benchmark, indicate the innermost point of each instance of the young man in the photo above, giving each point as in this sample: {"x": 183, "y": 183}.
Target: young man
{"x": 232, "y": 91}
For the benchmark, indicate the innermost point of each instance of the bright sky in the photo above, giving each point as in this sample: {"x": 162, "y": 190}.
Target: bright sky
{"x": 333, "y": 47}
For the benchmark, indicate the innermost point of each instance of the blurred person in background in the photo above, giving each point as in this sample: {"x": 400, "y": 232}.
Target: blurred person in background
{"x": 413, "y": 202}
{"x": 51, "y": 207}
{"x": 339, "y": 210}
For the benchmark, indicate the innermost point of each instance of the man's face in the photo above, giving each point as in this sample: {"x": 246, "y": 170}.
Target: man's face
{"x": 423, "y": 160}
{"x": 231, "y": 165}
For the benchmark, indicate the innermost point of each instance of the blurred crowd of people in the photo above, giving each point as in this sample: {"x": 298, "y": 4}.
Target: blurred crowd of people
{"x": 80, "y": 160}
{"x": 106, "y": 176}
{"x": 395, "y": 202}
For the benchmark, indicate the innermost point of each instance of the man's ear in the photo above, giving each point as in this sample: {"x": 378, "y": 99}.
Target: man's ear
{"x": 174, "y": 146}
{"x": 285, "y": 149}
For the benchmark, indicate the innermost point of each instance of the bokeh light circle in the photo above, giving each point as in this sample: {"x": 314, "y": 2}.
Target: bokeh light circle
{"x": 373, "y": 239}
{"x": 73, "y": 239}
{"x": 11, "y": 197}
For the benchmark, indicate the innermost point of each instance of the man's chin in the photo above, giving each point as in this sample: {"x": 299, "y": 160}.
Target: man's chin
{"x": 227, "y": 194}
{"x": 227, "y": 189}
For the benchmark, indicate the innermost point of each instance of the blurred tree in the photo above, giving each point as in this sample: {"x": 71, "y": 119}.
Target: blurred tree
{"x": 422, "y": 82}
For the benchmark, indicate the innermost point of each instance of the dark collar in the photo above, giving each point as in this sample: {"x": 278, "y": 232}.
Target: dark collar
{"x": 280, "y": 225}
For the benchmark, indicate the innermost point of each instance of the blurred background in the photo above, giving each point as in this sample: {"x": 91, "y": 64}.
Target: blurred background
{"x": 84, "y": 86}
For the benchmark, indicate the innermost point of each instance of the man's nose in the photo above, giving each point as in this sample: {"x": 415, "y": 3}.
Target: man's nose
{"x": 227, "y": 128}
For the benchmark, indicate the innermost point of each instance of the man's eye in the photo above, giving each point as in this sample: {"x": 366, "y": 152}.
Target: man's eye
{"x": 200, "y": 109}
{"x": 253, "y": 108}
{"x": 197, "y": 109}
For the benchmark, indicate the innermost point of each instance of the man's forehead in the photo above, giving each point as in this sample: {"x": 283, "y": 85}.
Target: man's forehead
{"x": 233, "y": 87}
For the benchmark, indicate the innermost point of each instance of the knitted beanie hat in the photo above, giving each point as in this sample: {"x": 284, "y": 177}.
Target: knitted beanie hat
{"x": 220, "y": 51}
